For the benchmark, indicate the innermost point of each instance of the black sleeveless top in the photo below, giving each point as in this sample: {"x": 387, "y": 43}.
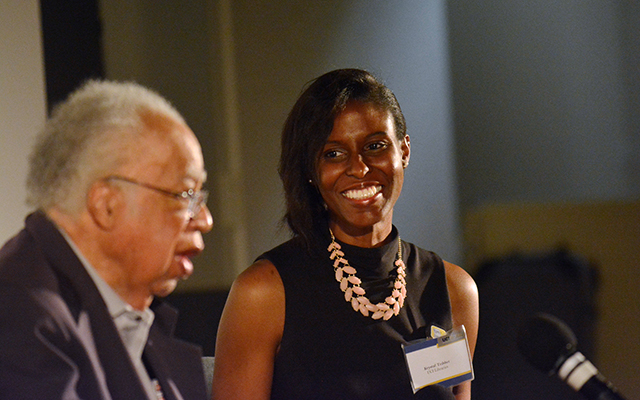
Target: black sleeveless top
{"x": 329, "y": 351}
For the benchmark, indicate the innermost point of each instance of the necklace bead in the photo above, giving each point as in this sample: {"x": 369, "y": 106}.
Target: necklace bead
{"x": 345, "y": 274}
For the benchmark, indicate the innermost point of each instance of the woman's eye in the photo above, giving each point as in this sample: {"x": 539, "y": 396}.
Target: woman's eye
{"x": 332, "y": 154}
{"x": 377, "y": 146}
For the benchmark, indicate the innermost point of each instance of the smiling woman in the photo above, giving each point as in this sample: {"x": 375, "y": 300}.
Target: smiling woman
{"x": 325, "y": 315}
{"x": 360, "y": 172}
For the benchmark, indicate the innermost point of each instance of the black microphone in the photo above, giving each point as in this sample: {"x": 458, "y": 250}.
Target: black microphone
{"x": 550, "y": 345}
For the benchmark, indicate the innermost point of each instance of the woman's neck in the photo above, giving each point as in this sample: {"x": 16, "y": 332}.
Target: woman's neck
{"x": 373, "y": 236}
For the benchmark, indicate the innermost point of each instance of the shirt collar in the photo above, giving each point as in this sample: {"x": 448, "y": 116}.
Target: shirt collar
{"x": 114, "y": 302}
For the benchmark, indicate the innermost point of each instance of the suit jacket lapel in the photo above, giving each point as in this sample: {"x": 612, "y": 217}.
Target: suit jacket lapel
{"x": 81, "y": 294}
{"x": 176, "y": 364}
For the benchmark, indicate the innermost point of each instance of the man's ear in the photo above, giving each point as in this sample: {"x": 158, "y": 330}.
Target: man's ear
{"x": 103, "y": 203}
{"x": 405, "y": 146}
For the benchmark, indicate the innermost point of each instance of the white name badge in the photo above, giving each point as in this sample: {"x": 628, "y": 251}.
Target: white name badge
{"x": 444, "y": 361}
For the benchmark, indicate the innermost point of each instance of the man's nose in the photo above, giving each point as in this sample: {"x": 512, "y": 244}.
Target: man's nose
{"x": 203, "y": 220}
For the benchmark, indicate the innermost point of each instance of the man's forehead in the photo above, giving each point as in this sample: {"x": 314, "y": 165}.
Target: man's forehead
{"x": 157, "y": 121}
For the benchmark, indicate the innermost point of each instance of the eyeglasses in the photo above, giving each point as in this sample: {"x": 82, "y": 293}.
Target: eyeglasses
{"x": 196, "y": 198}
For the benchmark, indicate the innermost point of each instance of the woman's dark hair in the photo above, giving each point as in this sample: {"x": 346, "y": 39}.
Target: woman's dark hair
{"x": 305, "y": 132}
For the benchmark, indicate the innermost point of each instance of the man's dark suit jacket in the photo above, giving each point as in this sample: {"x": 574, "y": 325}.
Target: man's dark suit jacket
{"x": 57, "y": 339}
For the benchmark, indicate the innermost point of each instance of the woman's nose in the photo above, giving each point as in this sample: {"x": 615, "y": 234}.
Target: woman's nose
{"x": 357, "y": 166}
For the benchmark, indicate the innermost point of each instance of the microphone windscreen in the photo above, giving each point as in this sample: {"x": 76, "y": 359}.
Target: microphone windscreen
{"x": 546, "y": 342}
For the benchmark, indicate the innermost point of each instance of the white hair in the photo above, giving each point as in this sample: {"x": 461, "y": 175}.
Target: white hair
{"x": 88, "y": 135}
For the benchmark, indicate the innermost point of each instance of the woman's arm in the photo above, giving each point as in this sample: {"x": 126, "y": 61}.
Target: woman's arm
{"x": 463, "y": 293}
{"x": 249, "y": 334}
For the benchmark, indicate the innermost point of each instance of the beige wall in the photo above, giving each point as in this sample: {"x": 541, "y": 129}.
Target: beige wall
{"x": 22, "y": 105}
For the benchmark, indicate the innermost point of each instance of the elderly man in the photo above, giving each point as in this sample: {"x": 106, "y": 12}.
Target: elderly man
{"x": 116, "y": 180}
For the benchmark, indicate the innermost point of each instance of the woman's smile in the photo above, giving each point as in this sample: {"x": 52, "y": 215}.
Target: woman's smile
{"x": 362, "y": 194}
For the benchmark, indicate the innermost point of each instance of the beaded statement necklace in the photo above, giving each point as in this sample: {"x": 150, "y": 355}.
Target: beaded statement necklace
{"x": 355, "y": 294}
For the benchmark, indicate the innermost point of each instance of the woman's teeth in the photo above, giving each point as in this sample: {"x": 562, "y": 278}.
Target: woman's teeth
{"x": 362, "y": 194}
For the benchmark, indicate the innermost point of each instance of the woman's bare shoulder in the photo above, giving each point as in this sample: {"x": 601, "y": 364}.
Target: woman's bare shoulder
{"x": 460, "y": 282}
{"x": 258, "y": 285}
{"x": 463, "y": 293}
{"x": 249, "y": 334}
